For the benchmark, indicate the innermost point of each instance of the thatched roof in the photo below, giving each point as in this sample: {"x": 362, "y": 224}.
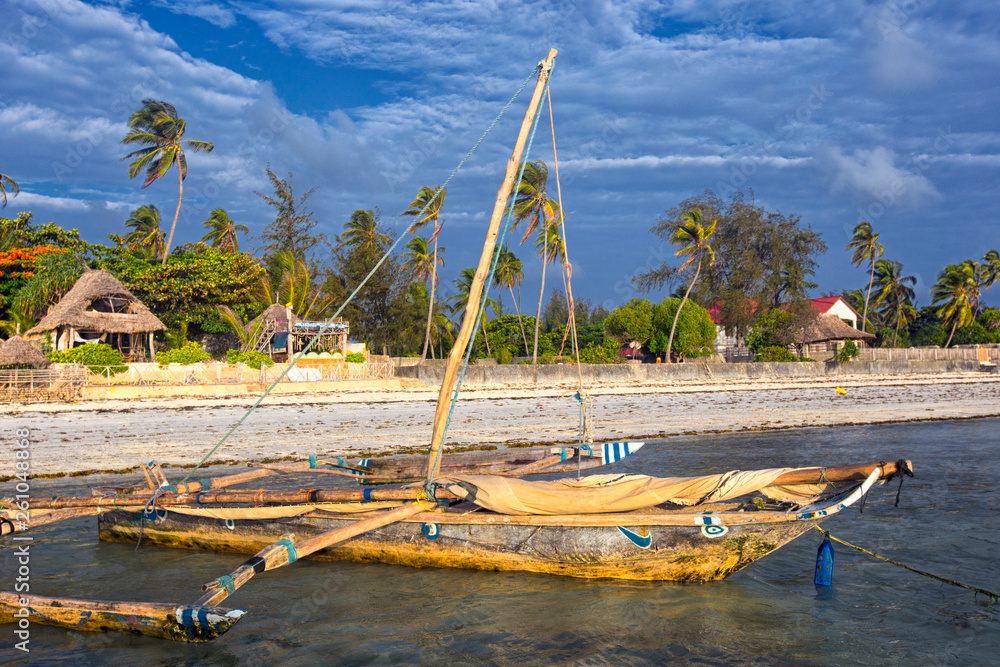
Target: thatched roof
{"x": 16, "y": 351}
{"x": 831, "y": 327}
{"x": 99, "y": 289}
{"x": 273, "y": 312}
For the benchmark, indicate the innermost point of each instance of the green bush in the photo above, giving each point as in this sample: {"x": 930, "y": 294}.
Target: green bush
{"x": 97, "y": 357}
{"x": 974, "y": 334}
{"x": 251, "y": 358}
{"x": 355, "y": 358}
{"x": 504, "y": 355}
{"x": 602, "y": 354}
{"x": 847, "y": 351}
{"x": 190, "y": 353}
{"x": 776, "y": 353}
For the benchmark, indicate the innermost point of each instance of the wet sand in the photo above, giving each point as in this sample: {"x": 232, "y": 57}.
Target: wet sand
{"x": 117, "y": 435}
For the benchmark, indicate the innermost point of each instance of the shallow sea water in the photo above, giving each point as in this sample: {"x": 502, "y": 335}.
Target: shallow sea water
{"x": 948, "y": 522}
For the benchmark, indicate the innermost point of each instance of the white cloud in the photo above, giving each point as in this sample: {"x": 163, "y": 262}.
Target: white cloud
{"x": 872, "y": 174}
{"x": 27, "y": 200}
{"x": 214, "y": 13}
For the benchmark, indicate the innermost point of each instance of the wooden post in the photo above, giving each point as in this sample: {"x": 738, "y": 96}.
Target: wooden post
{"x": 477, "y": 288}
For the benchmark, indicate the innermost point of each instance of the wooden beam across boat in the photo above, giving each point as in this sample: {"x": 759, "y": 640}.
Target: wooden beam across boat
{"x": 799, "y": 476}
{"x": 189, "y": 623}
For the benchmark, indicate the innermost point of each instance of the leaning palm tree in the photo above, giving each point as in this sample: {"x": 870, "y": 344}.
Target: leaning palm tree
{"x": 509, "y": 273}
{"x": 426, "y": 207}
{"x": 222, "y": 231}
{"x": 866, "y": 247}
{"x": 146, "y": 235}
{"x": 7, "y": 182}
{"x": 693, "y": 237}
{"x": 533, "y": 206}
{"x": 157, "y": 127}
{"x": 957, "y": 292}
{"x": 895, "y": 291}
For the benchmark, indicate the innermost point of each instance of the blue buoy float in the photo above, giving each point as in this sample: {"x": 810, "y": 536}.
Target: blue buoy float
{"x": 824, "y": 564}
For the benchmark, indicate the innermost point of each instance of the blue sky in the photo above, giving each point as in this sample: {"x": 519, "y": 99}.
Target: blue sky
{"x": 832, "y": 111}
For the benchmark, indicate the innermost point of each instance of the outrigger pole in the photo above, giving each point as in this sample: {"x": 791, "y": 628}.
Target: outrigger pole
{"x": 203, "y": 621}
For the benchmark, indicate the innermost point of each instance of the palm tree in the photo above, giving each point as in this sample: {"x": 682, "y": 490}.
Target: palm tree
{"x": 426, "y": 207}
{"x": 295, "y": 289}
{"x": 422, "y": 262}
{"x": 895, "y": 291}
{"x": 957, "y": 292}
{"x": 460, "y": 300}
{"x": 693, "y": 238}
{"x": 510, "y": 272}
{"x": 222, "y": 231}
{"x": 361, "y": 233}
{"x": 7, "y": 182}
{"x": 146, "y": 235}
{"x": 865, "y": 245}
{"x": 157, "y": 127}
{"x": 991, "y": 268}
{"x": 533, "y": 205}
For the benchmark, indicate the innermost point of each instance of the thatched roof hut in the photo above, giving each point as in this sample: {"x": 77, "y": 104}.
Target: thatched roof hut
{"x": 831, "y": 328}
{"x": 274, "y": 313}
{"x": 99, "y": 306}
{"x": 16, "y": 351}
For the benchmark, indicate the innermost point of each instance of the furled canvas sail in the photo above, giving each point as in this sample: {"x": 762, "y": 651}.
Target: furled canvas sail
{"x": 598, "y": 494}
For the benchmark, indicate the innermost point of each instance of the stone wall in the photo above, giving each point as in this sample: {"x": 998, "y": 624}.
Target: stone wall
{"x": 660, "y": 373}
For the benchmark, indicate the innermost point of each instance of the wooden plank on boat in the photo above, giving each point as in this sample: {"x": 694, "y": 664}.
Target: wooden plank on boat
{"x": 153, "y": 619}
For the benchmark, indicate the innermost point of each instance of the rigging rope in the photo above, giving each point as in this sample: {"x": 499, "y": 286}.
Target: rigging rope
{"x": 586, "y": 403}
{"x": 489, "y": 280}
{"x": 993, "y": 596}
{"x": 381, "y": 261}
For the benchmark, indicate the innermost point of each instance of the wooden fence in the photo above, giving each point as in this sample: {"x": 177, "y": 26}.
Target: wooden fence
{"x": 42, "y": 384}
{"x": 982, "y": 354}
{"x": 221, "y": 374}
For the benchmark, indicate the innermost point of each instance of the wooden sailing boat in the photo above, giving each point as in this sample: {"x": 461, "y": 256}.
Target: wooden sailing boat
{"x": 623, "y": 526}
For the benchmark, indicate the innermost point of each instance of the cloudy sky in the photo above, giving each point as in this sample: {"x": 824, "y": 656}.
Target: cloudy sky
{"x": 833, "y": 111}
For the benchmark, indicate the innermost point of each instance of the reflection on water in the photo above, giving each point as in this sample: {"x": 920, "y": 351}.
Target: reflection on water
{"x": 948, "y": 522}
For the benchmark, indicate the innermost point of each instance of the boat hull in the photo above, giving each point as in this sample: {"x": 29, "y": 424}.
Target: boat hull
{"x": 634, "y": 550}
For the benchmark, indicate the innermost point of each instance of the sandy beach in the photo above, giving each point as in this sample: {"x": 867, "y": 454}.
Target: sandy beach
{"x": 116, "y": 435}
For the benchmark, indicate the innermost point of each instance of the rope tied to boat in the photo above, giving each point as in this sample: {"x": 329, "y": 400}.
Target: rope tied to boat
{"x": 290, "y": 548}
{"x": 993, "y": 596}
{"x": 422, "y": 496}
{"x": 311, "y": 494}
{"x": 902, "y": 470}
{"x": 227, "y": 582}
{"x": 146, "y": 510}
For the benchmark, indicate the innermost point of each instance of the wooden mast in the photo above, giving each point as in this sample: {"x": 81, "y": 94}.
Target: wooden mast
{"x": 455, "y": 358}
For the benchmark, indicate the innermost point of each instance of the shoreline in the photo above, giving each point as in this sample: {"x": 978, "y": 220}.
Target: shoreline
{"x": 114, "y": 436}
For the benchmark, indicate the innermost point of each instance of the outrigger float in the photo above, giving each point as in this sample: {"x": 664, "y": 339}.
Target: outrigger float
{"x": 472, "y": 511}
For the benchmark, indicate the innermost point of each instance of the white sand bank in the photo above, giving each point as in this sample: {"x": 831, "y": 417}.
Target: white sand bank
{"x": 115, "y": 435}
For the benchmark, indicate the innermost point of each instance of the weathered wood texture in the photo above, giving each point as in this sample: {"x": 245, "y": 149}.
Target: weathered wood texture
{"x": 153, "y": 619}
{"x": 808, "y": 475}
{"x": 676, "y": 552}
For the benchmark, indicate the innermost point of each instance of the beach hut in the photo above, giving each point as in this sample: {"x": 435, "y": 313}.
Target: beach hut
{"x": 99, "y": 309}
{"x": 15, "y": 352}
{"x": 821, "y": 337}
